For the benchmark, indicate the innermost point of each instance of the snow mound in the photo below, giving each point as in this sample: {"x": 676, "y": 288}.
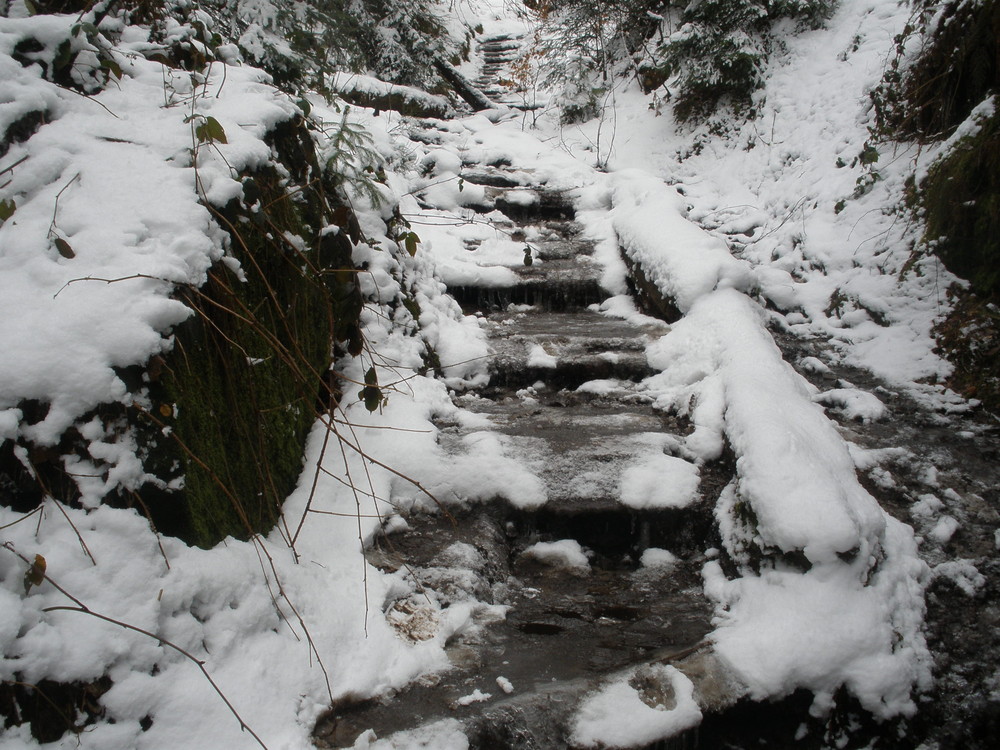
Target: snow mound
{"x": 660, "y": 482}
{"x": 639, "y": 708}
{"x": 683, "y": 260}
{"x": 653, "y": 557}
{"x": 565, "y": 553}
{"x": 795, "y": 474}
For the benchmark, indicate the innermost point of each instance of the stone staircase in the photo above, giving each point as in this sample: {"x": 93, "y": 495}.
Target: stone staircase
{"x": 497, "y": 53}
{"x": 565, "y": 399}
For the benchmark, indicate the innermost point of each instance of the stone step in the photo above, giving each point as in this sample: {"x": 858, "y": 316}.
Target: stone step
{"x": 492, "y": 45}
{"x": 500, "y": 178}
{"x": 561, "y": 635}
{"x": 565, "y": 350}
{"x": 549, "y": 295}
{"x": 579, "y": 452}
{"x": 525, "y": 205}
{"x": 582, "y": 332}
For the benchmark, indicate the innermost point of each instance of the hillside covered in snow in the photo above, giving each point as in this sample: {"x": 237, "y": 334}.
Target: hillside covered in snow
{"x": 484, "y": 374}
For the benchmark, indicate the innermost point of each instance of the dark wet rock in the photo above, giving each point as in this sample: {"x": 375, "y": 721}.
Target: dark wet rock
{"x": 940, "y": 464}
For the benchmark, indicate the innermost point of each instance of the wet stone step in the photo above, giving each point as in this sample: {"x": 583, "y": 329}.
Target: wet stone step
{"x": 500, "y": 45}
{"x": 567, "y": 403}
{"x": 525, "y": 205}
{"x": 497, "y": 178}
{"x": 514, "y": 372}
{"x": 560, "y": 244}
{"x": 580, "y": 452}
{"x": 583, "y": 331}
{"x": 549, "y": 205}
{"x": 550, "y": 295}
{"x": 565, "y": 350}
{"x": 563, "y": 631}
{"x": 557, "y": 283}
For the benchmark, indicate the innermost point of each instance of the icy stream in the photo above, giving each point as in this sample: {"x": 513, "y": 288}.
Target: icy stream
{"x": 584, "y": 585}
{"x": 595, "y": 595}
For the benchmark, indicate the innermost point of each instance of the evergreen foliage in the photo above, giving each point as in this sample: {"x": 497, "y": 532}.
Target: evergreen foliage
{"x": 710, "y": 52}
{"x": 301, "y": 41}
{"x": 718, "y": 53}
{"x": 584, "y": 43}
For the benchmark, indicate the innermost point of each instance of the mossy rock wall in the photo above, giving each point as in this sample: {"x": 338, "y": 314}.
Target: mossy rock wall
{"x": 960, "y": 199}
{"x": 957, "y": 68}
{"x": 248, "y": 373}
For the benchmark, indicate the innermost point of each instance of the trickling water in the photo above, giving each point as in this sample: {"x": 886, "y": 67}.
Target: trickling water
{"x": 564, "y": 630}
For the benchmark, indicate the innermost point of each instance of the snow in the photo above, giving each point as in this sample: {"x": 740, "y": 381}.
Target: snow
{"x": 822, "y": 629}
{"x": 944, "y": 529}
{"x": 927, "y": 506}
{"x": 722, "y": 231}
{"x": 963, "y": 573}
{"x": 653, "y": 557}
{"x": 853, "y": 403}
{"x": 794, "y": 470}
{"x": 476, "y": 696}
{"x": 660, "y": 482}
{"x": 538, "y": 357}
{"x": 620, "y": 715}
{"x": 441, "y": 735}
{"x": 565, "y": 553}
{"x": 357, "y": 83}
{"x": 690, "y": 262}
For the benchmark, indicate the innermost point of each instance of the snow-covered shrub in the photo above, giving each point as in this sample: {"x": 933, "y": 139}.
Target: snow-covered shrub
{"x": 942, "y": 84}
{"x": 945, "y": 65}
{"x": 203, "y": 425}
{"x": 709, "y": 51}
{"x": 585, "y": 42}
{"x": 718, "y": 52}
{"x": 940, "y": 89}
{"x": 302, "y": 42}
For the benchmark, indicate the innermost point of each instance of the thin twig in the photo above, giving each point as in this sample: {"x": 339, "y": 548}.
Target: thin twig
{"x": 112, "y": 281}
{"x": 55, "y": 208}
{"x": 17, "y": 163}
{"x": 312, "y": 489}
{"x": 302, "y": 623}
{"x": 79, "y": 536}
{"x": 22, "y": 518}
{"x": 48, "y": 495}
{"x": 88, "y": 96}
{"x": 361, "y": 542}
{"x": 84, "y": 609}
{"x": 70, "y": 724}
{"x": 164, "y": 642}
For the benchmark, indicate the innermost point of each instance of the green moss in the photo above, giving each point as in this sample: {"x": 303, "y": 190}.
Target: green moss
{"x": 249, "y": 370}
{"x": 960, "y": 200}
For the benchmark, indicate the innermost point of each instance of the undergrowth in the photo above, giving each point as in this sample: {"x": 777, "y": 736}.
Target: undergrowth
{"x": 969, "y": 337}
{"x": 941, "y": 87}
{"x": 219, "y": 422}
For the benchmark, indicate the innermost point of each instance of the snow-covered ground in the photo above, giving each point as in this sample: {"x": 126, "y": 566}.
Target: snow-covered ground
{"x": 753, "y": 229}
